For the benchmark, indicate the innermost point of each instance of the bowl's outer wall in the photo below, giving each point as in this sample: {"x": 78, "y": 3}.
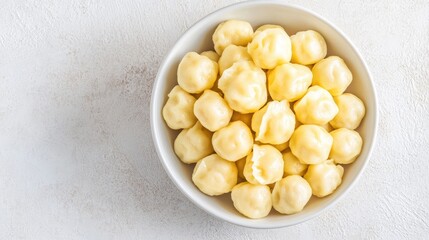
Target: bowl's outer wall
{"x": 198, "y": 39}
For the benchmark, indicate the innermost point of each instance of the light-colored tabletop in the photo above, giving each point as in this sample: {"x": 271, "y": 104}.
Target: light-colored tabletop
{"x": 76, "y": 154}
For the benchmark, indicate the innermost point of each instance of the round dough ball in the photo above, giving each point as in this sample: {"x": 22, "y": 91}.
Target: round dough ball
{"x": 311, "y": 144}
{"x": 235, "y": 32}
{"x": 351, "y": 111}
{"x": 316, "y": 107}
{"x": 274, "y": 123}
{"x": 244, "y": 87}
{"x": 308, "y": 47}
{"x": 346, "y": 146}
{"x": 252, "y": 200}
{"x": 246, "y": 118}
{"x": 211, "y": 54}
{"x": 289, "y": 81}
{"x": 231, "y": 55}
{"x": 214, "y": 175}
{"x": 196, "y": 73}
{"x": 267, "y": 26}
{"x": 192, "y": 144}
{"x": 240, "y": 167}
{"x": 324, "y": 178}
{"x": 178, "y": 110}
{"x": 233, "y": 141}
{"x": 264, "y": 165}
{"x": 292, "y": 166}
{"x": 212, "y": 111}
{"x": 291, "y": 194}
{"x": 270, "y": 47}
{"x": 332, "y": 74}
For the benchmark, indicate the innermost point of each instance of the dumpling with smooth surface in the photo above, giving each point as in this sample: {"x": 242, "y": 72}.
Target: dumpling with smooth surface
{"x": 274, "y": 123}
{"x": 212, "y": 111}
{"x": 233, "y": 141}
{"x": 214, "y": 175}
{"x": 324, "y": 178}
{"x": 346, "y": 146}
{"x": 267, "y": 26}
{"x": 291, "y": 194}
{"x": 308, "y": 47}
{"x": 332, "y": 74}
{"x": 311, "y": 144}
{"x": 244, "y": 87}
{"x": 351, "y": 111}
{"x": 270, "y": 47}
{"x": 196, "y": 73}
{"x": 316, "y": 107}
{"x": 193, "y": 143}
{"x": 235, "y": 32}
{"x": 178, "y": 110}
{"x": 231, "y": 55}
{"x": 252, "y": 200}
{"x": 292, "y": 166}
{"x": 289, "y": 81}
{"x": 211, "y": 54}
{"x": 264, "y": 165}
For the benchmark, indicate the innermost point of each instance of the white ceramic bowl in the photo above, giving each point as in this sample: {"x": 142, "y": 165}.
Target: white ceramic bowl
{"x": 198, "y": 38}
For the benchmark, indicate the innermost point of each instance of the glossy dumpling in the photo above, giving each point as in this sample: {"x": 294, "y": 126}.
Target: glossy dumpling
{"x": 196, "y": 73}
{"x": 178, "y": 110}
{"x": 214, "y": 175}
{"x": 308, "y": 47}
{"x": 346, "y": 146}
{"x": 234, "y": 32}
{"x": 233, "y": 141}
{"x": 252, "y": 200}
{"x": 324, "y": 178}
{"x": 351, "y": 111}
{"x": 267, "y": 26}
{"x": 212, "y": 111}
{"x": 193, "y": 143}
{"x": 212, "y": 55}
{"x": 244, "y": 87}
{"x": 332, "y": 74}
{"x": 274, "y": 123}
{"x": 270, "y": 47}
{"x": 292, "y": 166}
{"x": 264, "y": 165}
{"x": 291, "y": 194}
{"x": 311, "y": 144}
{"x": 289, "y": 81}
{"x": 316, "y": 107}
{"x": 231, "y": 55}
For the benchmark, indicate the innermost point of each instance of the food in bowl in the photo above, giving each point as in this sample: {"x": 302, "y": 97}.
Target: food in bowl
{"x": 239, "y": 108}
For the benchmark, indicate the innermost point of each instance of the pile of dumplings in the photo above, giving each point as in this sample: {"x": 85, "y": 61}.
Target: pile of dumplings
{"x": 265, "y": 116}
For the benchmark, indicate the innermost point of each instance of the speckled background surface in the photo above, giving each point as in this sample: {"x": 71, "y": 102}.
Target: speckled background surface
{"x": 76, "y": 155}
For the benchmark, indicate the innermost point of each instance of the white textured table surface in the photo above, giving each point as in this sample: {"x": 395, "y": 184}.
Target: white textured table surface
{"x": 76, "y": 155}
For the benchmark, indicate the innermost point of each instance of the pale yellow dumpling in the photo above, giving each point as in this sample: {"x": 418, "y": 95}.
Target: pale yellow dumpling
{"x": 212, "y": 111}
{"x": 235, "y": 32}
{"x": 214, "y": 175}
{"x": 267, "y": 26}
{"x": 246, "y": 118}
{"x": 192, "y": 144}
{"x": 264, "y": 165}
{"x": 292, "y": 166}
{"x": 270, "y": 48}
{"x": 289, "y": 81}
{"x": 281, "y": 147}
{"x": 231, "y": 55}
{"x": 196, "y": 73}
{"x": 244, "y": 87}
{"x": 332, "y": 74}
{"x": 178, "y": 110}
{"x": 274, "y": 123}
{"x": 252, "y": 200}
{"x": 346, "y": 146}
{"x": 316, "y": 107}
{"x": 212, "y": 55}
{"x": 308, "y": 47}
{"x": 233, "y": 141}
{"x": 311, "y": 144}
{"x": 351, "y": 111}
{"x": 291, "y": 194}
{"x": 324, "y": 178}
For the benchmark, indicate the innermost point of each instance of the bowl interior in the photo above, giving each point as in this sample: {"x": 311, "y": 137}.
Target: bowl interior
{"x": 198, "y": 38}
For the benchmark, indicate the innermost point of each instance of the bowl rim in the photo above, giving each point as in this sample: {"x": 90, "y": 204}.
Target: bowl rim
{"x": 157, "y": 142}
